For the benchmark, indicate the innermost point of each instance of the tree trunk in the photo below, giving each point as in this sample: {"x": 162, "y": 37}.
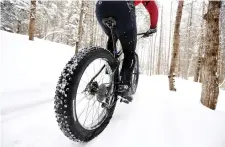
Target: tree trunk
{"x": 32, "y": 20}
{"x": 53, "y": 34}
{"x": 197, "y": 71}
{"x": 150, "y": 59}
{"x": 178, "y": 67}
{"x": 18, "y": 27}
{"x": 154, "y": 53}
{"x": 210, "y": 83}
{"x": 46, "y": 29}
{"x": 198, "y": 67}
{"x": 221, "y": 60}
{"x": 201, "y": 73}
{"x": 222, "y": 46}
{"x": 160, "y": 44}
{"x": 176, "y": 43}
{"x": 78, "y": 42}
{"x": 171, "y": 24}
{"x": 189, "y": 53}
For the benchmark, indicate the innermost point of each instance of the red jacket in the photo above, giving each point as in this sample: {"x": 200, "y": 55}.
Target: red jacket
{"x": 152, "y": 8}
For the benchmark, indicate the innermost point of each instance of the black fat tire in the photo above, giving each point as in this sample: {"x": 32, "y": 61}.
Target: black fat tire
{"x": 66, "y": 91}
{"x": 133, "y": 89}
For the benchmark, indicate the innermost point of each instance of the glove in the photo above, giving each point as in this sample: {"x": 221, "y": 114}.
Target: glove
{"x": 150, "y": 32}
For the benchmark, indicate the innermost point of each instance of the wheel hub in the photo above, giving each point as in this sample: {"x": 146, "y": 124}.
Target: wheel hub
{"x": 102, "y": 92}
{"x": 93, "y": 88}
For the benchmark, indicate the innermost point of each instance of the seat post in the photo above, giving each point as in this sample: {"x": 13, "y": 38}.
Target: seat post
{"x": 114, "y": 43}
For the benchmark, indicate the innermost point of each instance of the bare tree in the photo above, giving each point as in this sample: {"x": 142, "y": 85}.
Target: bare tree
{"x": 78, "y": 42}
{"x": 171, "y": 15}
{"x": 32, "y": 20}
{"x": 210, "y": 83}
{"x": 150, "y": 58}
{"x": 160, "y": 44}
{"x": 197, "y": 70}
{"x": 154, "y": 53}
{"x": 221, "y": 66}
{"x": 189, "y": 53}
{"x": 93, "y": 27}
{"x": 176, "y": 43}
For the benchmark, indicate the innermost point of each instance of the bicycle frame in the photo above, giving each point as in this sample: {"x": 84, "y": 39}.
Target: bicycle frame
{"x": 111, "y": 23}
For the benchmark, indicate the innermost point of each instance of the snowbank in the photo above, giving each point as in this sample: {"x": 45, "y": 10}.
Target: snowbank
{"x": 29, "y": 68}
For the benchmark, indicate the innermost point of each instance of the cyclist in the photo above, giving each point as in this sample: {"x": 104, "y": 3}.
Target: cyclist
{"x": 126, "y": 31}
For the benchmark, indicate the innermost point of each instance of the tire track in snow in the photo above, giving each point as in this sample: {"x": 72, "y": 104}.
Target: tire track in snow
{"x": 25, "y": 106}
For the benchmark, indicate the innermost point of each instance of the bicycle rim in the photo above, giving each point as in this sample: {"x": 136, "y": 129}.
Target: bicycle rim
{"x": 88, "y": 109}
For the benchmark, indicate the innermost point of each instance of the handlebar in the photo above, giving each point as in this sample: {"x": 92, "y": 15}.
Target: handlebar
{"x": 140, "y": 34}
{"x": 144, "y": 35}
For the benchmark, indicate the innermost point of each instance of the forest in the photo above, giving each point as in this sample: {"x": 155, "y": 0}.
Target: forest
{"x": 74, "y": 23}
{"x": 49, "y": 49}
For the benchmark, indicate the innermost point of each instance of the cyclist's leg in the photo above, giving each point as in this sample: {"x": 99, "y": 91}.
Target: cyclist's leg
{"x": 127, "y": 33}
{"x": 124, "y": 14}
{"x": 129, "y": 45}
{"x": 103, "y": 11}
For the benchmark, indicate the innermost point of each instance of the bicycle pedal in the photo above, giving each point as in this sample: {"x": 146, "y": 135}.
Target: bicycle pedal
{"x": 124, "y": 101}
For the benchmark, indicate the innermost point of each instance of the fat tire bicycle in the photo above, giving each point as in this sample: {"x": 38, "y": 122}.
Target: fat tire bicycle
{"x": 76, "y": 90}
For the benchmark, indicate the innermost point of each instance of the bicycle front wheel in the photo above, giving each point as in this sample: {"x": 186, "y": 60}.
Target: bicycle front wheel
{"x": 85, "y": 100}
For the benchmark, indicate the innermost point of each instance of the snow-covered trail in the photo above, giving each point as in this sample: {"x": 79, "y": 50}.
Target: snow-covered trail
{"x": 156, "y": 117}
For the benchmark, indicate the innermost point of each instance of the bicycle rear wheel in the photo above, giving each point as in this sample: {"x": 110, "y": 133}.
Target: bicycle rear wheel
{"x": 135, "y": 74}
{"x": 85, "y": 100}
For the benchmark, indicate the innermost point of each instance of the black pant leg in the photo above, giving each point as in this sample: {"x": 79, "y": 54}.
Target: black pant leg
{"x": 124, "y": 14}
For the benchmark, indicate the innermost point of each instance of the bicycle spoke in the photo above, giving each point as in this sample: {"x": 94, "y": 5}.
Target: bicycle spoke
{"x": 94, "y": 67}
{"x": 86, "y": 73}
{"x": 93, "y": 112}
{"x": 87, "y": 114}
{"x": 84, "y": 81}
{"x": 80, "y": 100}
{"x": 84, "y": 109}
{"x": 100, "y": 79}
{"x": 90, "y": 112}
{"x": 98, "y": 112}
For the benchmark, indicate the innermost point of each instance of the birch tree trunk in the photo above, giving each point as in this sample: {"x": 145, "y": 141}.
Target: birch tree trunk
{"x": 154, "y": 53}
{"x": 171, "y": 24}
{"x": 32, "y": 20}
{"x": 221, "y": 61}
{"x": 78, "y": 42}
{"x": 150, "y": 58}
{"x": 210, "y": 83}
{"x": 160, "y": 44}
{"x": 46, "y": 29}
{"x": 188, "y": 55}
{"x": 198, "y": 67}
{"x": 92, "y": 26}
{"x": 176, "y": 43}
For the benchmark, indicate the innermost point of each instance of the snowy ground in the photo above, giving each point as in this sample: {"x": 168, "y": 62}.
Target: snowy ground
{"x": 156, "y": 117}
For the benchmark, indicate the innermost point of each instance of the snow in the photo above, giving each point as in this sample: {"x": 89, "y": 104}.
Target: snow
{"x": 30, "y": 69}
{"x": 156, "y": 117}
